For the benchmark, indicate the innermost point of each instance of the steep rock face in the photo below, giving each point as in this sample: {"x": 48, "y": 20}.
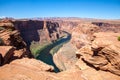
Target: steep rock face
{"x": 1, "y": 59}
{"x": 16, "y": 40}
{"x": 67, "y": 25}
{"x": 104, "y": 53}
{"x": 108, "y": 26}
{"x": 65, "y": 57}
{"x": 12, "y": 40}
{"x": 95, "y": 51}
{"x": 12, "y": 45}
{"x": 82, "y": 34}
{"x": 41, "y": 31}
{"x": 20, "y": 34}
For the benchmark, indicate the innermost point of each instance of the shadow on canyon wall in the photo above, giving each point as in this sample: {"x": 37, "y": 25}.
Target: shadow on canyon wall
{"x": 29, "y": 30}
{"x": 36, "y": 30}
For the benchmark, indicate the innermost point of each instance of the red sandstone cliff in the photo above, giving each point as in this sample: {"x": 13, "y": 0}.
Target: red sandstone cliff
{"x": 92, "y": 54}
{"x": 41, "y": 31}
{"x": 17, "y": 35}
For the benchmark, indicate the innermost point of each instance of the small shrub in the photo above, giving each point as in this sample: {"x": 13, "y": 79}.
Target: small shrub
{"x": 119, "y": 38}
{"x": 2, "y": 28}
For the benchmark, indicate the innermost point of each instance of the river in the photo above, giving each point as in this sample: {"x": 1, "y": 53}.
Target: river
{"x": 45, "y": 54}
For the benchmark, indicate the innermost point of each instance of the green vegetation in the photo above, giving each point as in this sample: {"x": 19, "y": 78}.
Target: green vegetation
{"x": 56, "y": 48}
{"x": 36, "y": 47}
{"x": 119, "y": 38}
{"x": 2, "y": 28}
{"x": 50, "y": 47}
{"x": 1, "y": 42}
{"x": 46, "y": 50}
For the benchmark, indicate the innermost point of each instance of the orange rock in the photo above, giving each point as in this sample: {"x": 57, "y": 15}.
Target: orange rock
{"x": 105, "y": 52}
{"x": 6, "y": 52}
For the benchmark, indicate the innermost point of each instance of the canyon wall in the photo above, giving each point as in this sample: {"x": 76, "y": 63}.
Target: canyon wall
{"x": 40, "y": 31}
{"x": 107, "y": 26}
{"x": 94, "y": 49}
{"x": 16, "y": 37}
{"x": 92, "y": 53}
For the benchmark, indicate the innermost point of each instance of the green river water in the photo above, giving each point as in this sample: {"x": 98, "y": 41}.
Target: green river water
{"x": 46, "y": 54}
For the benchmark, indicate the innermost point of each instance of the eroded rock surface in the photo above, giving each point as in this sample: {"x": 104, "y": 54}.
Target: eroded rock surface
{"x": 40, "y": 31}
{"x": 65, "y": 57}
{"x": 13, "y": 46}
{"x": 108, "y": 26}
{"x": 20, "y": 34}
{"x": 6, "y": 53}
{"x": 25, "y": 68}
{"x": 82, "y": 34}
{"x": 31, "y": 69}
{"x": 103, "y": 53}
{"x": 92, "y": 54}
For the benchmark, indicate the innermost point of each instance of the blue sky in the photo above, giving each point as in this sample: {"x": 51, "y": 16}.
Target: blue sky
{"x": 104, "y": 9}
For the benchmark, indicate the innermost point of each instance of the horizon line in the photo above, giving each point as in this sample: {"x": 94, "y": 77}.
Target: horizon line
{"x": 3, "y": 17}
